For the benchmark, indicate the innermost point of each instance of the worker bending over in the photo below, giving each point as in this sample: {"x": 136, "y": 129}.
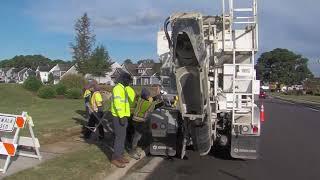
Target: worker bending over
{"x": 144, "y": 106}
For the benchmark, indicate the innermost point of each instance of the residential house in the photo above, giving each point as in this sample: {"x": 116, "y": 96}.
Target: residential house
{"x": 144, "y": 73}
{"x": 72, "y": 70}
{"x": 43, "y": 73}
{"x": 58, "y": 70}
{"x": 116, "y": 74}
{"x": 24, "y": 74}
{"x": 107, "y": 79}
{"x": 2, "y": 75}
{"x": 10, "y": 75}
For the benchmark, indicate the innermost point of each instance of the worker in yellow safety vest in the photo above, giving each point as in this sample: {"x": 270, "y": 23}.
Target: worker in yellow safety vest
{"x": 144, "y": 106}
{"x": 120, "y": 110}
{"x": 132, "y": 101}
{"x": 96, "y": 109}
{"x": 87, "y": 96}
{"x": 131, "y": 97}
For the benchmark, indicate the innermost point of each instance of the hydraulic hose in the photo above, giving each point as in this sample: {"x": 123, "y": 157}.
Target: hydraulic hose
{"x": 166, "y": 23}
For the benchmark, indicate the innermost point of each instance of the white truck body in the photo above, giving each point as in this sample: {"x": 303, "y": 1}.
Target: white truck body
{"x": 209, "y": 61}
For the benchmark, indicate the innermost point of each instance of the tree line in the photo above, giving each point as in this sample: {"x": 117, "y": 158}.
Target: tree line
{"x": 30, "y": 61}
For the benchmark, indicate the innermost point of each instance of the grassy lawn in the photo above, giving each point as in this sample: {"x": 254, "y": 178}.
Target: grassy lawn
{"x": 54, "y": 119}
{"x": 81, "y": 164}
{"x": 311, "y": 98}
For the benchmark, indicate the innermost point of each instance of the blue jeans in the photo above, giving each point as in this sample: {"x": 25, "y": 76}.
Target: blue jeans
{"x": 120, "y": 131}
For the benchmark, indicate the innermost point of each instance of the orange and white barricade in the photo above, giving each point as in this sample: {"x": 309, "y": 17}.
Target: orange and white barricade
{"x": 10, "y": 126}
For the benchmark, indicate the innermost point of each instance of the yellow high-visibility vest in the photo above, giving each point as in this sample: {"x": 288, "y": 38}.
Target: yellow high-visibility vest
{"x": 120, "y": 106}
{"x": 87, "y": 93}
{"x": 131, "y": 96}
{"x": 96, "y": 101}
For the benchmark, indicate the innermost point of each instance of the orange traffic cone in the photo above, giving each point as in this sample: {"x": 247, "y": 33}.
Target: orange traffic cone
{"x": 262, "y": 113}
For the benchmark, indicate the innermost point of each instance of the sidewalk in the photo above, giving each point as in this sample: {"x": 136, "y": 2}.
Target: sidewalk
{"x": 90, "y": 159}
{"x": 47, "y": 152}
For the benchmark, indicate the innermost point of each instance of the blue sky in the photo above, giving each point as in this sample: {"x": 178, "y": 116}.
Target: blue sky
{"x": 128, "y": 27}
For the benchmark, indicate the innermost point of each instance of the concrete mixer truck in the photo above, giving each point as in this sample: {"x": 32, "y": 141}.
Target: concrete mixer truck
{"x": 208, "y": 64}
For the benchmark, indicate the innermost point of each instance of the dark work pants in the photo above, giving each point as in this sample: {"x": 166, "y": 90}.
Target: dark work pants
{"x": 120, "y": 131}
{"x": 92, "y": 122}
{"x": 138, "y": 132}
{"x": 87, "y": 112}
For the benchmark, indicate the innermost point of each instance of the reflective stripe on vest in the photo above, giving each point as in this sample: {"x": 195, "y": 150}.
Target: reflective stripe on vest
{"x": 142, "y": 109}
{"x": 120, "y": 104}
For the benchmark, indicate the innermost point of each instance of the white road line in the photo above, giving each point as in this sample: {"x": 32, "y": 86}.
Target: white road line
{"x": 313, "y": 109}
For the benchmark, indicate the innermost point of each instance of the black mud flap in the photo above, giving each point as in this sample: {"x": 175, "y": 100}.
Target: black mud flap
{"x": 201, "y": 138}
{"x": 164, "y": 146}
{"x": 244, "y": 147}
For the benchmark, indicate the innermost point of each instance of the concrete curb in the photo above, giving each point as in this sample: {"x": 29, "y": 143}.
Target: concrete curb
{"x": 121, "y": 172}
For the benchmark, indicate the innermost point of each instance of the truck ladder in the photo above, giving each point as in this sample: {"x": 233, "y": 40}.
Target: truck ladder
{"x": 235, "y": 22}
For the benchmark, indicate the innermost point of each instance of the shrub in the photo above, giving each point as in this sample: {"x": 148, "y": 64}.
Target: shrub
{"x": 32, "y": 83}
{"x": 74, "y": 93}
{"x": 60, "y": 89}
{"x": 47, "y": 92}
{"x": 106, "y": 88}
{"x": 73, "y": 81}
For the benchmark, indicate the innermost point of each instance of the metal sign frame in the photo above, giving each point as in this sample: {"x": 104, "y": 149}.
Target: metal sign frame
{"x": 12, "y": 143}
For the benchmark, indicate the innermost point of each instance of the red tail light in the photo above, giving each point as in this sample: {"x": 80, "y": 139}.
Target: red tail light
{"x": 255, "y": 129}
{"x": 154, "y": 126}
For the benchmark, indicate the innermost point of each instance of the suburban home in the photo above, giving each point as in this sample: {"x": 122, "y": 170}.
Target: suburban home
{"x": 107, "y": 79}
{"x": 43, "y": 73}
{"x": 72, "y": 70}
{"x": 144, "y": 73}
{"x": 24, "y": 74}
{"x": 11, "y": 75}
{"x": 116, "y": 74}
{"x": 2, "y": 75}
{"x": 58, "y": 70}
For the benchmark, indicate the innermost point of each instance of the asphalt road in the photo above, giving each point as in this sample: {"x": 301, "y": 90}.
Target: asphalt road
{"x": 289, "y": 149}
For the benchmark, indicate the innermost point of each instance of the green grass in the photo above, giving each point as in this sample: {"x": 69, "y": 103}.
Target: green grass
{"x": 315, "y": 99}
{"x": 88, "y": 163}
{"x": 54, "y": 119}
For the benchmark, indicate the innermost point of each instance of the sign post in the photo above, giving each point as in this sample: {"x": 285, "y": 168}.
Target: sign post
{"x": 10, "y": 126}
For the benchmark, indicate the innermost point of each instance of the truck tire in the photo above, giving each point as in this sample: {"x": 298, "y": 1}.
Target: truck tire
{"x": 201, "y": 137}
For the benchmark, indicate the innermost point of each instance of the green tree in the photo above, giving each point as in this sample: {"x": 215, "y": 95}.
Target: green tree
{"x": 29, "y": 61}
{"x": 128, "y": 61}
{"x": 100, "y": 62}
{"x": 283, "y": 66}
{"x": 84, "y": 41}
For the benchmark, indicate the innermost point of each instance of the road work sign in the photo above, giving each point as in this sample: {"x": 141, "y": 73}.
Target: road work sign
{"x": 7, "y": 123}
{"x": 10, "y": 126}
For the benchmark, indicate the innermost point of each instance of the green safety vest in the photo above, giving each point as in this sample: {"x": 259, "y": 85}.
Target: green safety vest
{"x": 120, "y": 106}
{"x": 142, "y": 109}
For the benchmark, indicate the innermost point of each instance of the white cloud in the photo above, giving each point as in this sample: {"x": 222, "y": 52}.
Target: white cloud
{"x": 287, "y": 23}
